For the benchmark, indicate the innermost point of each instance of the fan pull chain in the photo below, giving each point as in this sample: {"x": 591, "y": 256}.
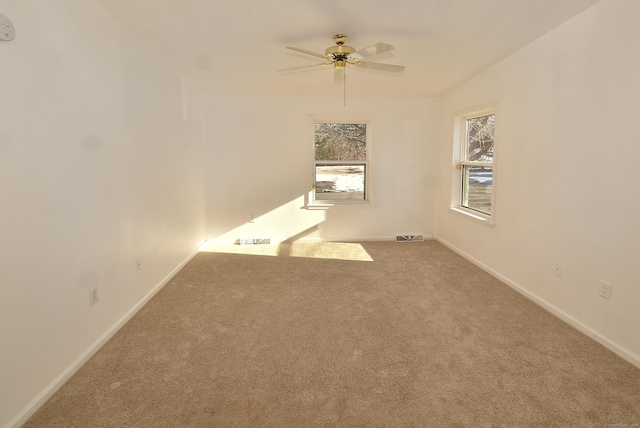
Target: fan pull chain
{"x": 344, "y": 88}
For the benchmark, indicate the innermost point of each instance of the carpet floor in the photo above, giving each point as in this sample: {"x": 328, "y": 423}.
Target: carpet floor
{"x": 376, "y": 334}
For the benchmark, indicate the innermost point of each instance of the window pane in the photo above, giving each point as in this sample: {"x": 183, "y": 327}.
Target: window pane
{"x": 480, "y": 138}
{"x": 340, "y": 182}
{"x": 477, "y": 182}
{"x": 341, "y": 141}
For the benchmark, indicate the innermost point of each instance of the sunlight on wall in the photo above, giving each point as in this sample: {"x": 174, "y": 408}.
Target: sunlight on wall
{"x": 289, "y": 221}
{"x": 293, "y": 232}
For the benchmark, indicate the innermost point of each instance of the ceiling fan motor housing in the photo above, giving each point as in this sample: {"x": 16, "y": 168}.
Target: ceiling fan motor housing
{"x": 339, "y": 55}
{"x": 340, "y": 52}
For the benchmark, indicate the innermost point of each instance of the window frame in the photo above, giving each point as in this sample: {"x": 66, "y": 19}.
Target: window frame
{"x": 313, "y": 200}
{"x": 461, "y": 163}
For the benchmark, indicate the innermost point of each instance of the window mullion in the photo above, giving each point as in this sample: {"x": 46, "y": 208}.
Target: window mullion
{"x": 472, "y": 163}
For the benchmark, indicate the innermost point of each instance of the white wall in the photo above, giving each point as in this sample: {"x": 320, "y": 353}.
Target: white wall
{"x": 259, "y": 160}
{"x": 567, "y": 186}
{"x": 97, "y": 169}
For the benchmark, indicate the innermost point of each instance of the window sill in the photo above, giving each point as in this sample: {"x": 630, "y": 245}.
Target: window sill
{"x": 325, "y": 205}
{"x": 484, "y": 219}
{"x": 317, "y": 206}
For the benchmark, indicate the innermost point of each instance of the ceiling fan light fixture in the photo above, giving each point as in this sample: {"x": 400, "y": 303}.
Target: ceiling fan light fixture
{"x": 339, "y": 65}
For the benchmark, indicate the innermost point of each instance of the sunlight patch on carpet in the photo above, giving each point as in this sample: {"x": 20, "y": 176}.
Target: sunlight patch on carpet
{"x": 330, "y": 250}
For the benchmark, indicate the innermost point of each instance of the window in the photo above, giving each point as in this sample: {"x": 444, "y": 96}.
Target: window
{"x": 340, "y": 163}
{"x": 476, "y": 163}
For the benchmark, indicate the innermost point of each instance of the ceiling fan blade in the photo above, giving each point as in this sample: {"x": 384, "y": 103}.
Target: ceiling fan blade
{"x": 304, "y": 67}
{"x": 306, "y": 51}
{"x": 380, "y": 66}
{"x": 376, "y": 49}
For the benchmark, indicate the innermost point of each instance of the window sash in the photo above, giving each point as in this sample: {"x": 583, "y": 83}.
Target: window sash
{"x": 342, "y": 185}
{"x": 466, "y": 146}
{"x": 476, "y": 195}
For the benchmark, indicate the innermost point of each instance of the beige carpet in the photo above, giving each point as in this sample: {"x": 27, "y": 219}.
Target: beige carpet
{"x": 400, "y": 335}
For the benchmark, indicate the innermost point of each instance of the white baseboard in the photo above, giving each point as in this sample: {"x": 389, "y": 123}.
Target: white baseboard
{"x": 42, "y": 398}
{"x": 278, "y": 240}
{"x": 616, "y": 348}
{"x": 427, "y": 237}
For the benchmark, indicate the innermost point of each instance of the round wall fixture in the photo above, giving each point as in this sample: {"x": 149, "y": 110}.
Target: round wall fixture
{"x": 7, "y": 32}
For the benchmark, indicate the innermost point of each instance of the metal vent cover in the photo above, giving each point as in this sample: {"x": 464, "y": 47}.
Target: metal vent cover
{"x": 255, "y": 241}
{"x": 409, "y": 238}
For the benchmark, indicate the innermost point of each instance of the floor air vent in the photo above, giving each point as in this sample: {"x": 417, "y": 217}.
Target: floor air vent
{"x": 409, "y": 238}
{"x": 254, "y": 241}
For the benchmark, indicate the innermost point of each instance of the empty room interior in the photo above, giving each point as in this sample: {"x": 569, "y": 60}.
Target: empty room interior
{"x": 319, "y": 213}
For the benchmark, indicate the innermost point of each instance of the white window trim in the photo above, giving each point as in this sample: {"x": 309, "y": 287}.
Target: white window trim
{"x": 312, "y": 202}
{"x": 459, "y": 147}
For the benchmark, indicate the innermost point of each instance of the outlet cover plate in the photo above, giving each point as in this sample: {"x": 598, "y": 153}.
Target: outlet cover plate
{"x": 93, "y": 295}
{"x": 605, "y": 289}
{"x": 557, "y": 270}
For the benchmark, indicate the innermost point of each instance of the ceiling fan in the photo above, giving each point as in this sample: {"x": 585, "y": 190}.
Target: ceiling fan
{"x": 340, "y": 55}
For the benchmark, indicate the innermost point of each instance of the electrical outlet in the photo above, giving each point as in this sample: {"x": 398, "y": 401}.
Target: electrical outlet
{"x": 138, "y": 264}
{"x": 557, "y": 270}
{"x": 605, "y": 289}
{"x": 93, "y": 295}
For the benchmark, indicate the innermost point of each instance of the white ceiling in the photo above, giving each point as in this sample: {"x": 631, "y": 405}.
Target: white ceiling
{"x": 236, "y": 46}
